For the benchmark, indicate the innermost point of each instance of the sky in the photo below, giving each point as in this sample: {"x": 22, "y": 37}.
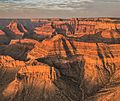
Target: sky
{"x": 59, "y": 8}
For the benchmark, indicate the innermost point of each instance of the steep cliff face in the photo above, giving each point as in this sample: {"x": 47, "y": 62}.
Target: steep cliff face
{"x": 8, "y": 69}
{"x": 41, "y": 82}
{"x": 33, "y": 83}
{"x": 16, "y": 28}
{"x": 76, "y": 60}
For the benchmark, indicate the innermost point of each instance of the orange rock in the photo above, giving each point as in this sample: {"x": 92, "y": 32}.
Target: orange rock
{"x": 39, "y": 77}
{"x": 42, "y": 30}
{"x": 13, "y": 27}
{"x": 71, "y": 70}
{"x": 110, "y": 34}
{"x": 2, "y": 33}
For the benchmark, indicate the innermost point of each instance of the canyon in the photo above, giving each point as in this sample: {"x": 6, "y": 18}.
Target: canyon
{"x": 58, "y": 59}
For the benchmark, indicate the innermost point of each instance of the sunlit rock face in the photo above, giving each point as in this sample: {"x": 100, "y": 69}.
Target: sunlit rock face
{"x": 74, "y": 60}
{"x": 35, "y": 79}
{"x": 16, "y": 28}
{"x": 8, "y": 69}
{"x": 111, "y": 34}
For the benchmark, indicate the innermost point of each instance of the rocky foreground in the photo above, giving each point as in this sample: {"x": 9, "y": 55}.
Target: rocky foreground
{"x": 60, "y": 59}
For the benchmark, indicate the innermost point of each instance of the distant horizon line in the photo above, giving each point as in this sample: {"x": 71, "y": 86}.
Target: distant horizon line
{"x": 57, "y": 17}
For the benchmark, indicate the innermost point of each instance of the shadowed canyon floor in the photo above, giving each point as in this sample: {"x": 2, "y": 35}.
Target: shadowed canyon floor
{"x": 60, "y": 59}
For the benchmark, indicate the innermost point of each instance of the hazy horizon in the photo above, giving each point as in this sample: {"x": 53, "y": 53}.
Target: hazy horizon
{"x": 59, "y": 8}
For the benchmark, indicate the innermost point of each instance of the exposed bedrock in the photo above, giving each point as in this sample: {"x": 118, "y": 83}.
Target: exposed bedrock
{"x": 76, "y": 60}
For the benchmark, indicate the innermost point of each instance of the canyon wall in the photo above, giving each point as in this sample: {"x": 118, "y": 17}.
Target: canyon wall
{"x": 60, "y": 59}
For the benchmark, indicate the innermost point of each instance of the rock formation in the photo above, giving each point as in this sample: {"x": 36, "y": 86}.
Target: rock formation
{"x": 60, "y": 59}
{"x": 8, "y": 69}
{"x": 4, "y": 39}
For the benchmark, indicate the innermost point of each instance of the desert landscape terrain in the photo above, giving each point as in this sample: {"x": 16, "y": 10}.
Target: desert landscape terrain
{"x": 56, "y": 59}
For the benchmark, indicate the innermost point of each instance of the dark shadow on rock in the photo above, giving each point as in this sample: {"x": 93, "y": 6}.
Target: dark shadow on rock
{"x": 96, "y": 38}
{"x": 17, "y": 51}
